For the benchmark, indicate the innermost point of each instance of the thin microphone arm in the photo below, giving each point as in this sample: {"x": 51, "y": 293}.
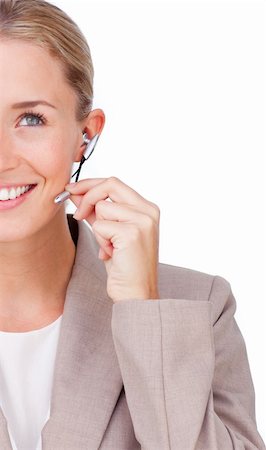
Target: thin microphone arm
{"x": 90, "y": 146}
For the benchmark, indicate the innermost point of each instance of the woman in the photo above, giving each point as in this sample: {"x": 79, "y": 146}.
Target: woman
{"x": 101, "y": 347}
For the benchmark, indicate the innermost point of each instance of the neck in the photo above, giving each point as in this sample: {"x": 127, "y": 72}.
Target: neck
{"x": 35, "y": 272}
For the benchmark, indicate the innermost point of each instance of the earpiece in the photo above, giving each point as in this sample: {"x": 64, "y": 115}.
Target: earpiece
{"x": 90, "y": 144}
{"x": 86, "y": 139}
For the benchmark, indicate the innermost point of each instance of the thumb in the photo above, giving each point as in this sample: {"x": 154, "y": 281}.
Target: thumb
{"x": 76, "y": 199}
{"x": 103, "y": 255}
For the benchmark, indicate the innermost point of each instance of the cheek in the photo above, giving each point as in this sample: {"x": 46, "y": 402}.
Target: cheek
{"x": 52, "y": 161}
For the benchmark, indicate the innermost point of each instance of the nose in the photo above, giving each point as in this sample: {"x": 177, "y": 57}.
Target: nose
{"x": 8, "y": 156}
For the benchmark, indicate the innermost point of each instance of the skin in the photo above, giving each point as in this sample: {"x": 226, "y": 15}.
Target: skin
{"x": 127, "y": 231}
{"x": 34, "y": 237}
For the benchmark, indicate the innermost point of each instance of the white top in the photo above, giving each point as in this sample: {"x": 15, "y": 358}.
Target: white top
{"x": 26, "y": 376}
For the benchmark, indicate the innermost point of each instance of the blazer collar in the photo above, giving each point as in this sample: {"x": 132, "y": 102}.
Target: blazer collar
{"x": 87, "y": 379}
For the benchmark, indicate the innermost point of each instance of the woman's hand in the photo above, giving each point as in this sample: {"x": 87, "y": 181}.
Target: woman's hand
{"x": 127, "y": 230}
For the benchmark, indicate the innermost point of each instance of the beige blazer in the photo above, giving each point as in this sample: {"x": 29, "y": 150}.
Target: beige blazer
{"x": 148, "y": 374}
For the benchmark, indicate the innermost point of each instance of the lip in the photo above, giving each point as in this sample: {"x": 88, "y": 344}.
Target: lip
{"x": 10, "y": 204}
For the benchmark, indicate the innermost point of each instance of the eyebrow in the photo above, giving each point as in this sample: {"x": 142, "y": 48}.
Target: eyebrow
{"x": 31, "y": 104}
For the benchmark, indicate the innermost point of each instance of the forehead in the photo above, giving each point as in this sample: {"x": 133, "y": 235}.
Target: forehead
{"x": 28, "y": 71}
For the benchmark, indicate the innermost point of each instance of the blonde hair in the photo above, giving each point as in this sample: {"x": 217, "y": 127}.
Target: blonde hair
{"x": 46, "y": 25}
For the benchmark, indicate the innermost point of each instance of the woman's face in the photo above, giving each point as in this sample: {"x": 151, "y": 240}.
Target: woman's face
{"x": 34, "y": 150}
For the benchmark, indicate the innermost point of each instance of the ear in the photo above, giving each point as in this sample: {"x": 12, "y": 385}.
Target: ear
{"x": 92, "y": 125}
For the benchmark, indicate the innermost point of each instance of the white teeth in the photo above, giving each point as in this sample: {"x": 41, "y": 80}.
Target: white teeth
{"x": 10, "y": 194}
{"x": 18, "y": 191}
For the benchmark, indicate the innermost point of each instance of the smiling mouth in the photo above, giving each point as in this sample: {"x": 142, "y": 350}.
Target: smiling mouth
{"x": 31, "y": 187}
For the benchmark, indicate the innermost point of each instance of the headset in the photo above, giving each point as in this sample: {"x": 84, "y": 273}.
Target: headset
{"x": 90, "y": 146}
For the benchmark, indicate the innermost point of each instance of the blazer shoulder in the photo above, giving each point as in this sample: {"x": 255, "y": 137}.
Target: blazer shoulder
{"x": 190, "y": 284}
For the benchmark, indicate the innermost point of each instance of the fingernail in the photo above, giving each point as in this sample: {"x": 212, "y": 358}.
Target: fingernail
{"x": 77, "y": 215}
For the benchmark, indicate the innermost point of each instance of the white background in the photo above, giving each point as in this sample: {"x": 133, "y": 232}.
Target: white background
{"x": 181, "y": 84}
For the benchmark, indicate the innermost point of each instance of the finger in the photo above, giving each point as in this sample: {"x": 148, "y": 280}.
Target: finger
{"x": 90, "y": 200}
{"x": 78, "y": 194}
{"x": 119, "y": 213}
{"x": 103, "y": 255}
{"x": 105, "y": 245}
{"x": 113, "y": 232}
{"x": 103, "y": 188}
{"x": 83, "y": 185}
{"x": 90, "y": 210}
{"x": 76, "y": 199}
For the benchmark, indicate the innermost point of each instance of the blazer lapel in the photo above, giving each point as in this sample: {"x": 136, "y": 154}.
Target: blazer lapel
{"x": 87, "y": 379}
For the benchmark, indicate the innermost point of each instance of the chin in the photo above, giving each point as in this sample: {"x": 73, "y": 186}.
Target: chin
{"x": 17, "y": 226}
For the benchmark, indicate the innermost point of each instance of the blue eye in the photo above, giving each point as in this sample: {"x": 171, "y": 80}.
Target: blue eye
{"x": 36, "y": 119}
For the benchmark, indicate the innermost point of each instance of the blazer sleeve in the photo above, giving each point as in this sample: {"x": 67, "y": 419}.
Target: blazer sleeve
{"x": 186, "y": 374}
